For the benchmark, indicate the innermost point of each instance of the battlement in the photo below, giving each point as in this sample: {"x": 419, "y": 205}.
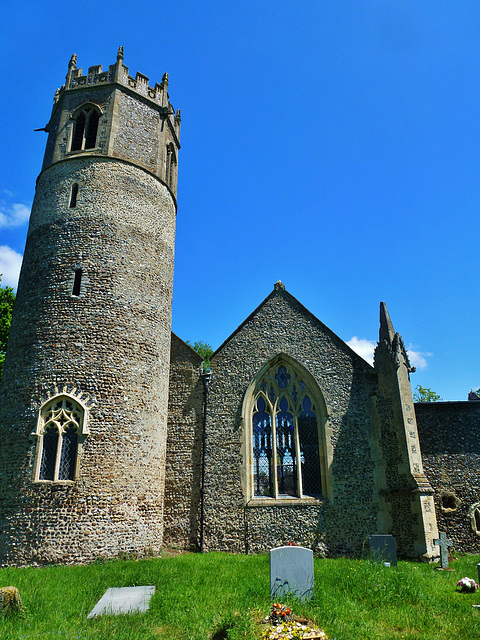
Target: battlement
{"x": 117, "y": 73}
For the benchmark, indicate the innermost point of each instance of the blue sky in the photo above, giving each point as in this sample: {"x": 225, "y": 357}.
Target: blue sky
{"x": 333, "y": 145}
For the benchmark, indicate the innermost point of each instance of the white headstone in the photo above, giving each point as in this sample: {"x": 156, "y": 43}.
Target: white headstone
{"x": 123, "y": 600}
{"x": 291, "y": 572}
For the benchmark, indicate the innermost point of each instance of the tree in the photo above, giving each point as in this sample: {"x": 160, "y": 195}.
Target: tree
{"x": 425, "y": 394}
{"x": 7, "y": 298}
{"x": 205, "y": 350}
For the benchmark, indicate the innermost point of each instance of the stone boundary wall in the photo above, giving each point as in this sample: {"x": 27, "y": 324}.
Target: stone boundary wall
{"x": 449, "y": 435}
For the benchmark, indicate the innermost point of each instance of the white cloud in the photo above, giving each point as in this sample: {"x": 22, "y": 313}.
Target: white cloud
{"x": 10, "y": 263}
{"x": 418, "y": 359}
{"x": 363, "y": 347}
{"x": 13, "y": 215}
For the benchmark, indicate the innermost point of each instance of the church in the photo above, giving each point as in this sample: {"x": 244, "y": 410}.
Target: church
{"x": 115, "y": 438}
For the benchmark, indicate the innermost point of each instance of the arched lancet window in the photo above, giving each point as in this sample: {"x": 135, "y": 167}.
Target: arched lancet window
{"x": 170, "y": 166}
{"x": 285, "y": 436}
{"x": 60, "y": 428}
{"x": 85, "y": 128}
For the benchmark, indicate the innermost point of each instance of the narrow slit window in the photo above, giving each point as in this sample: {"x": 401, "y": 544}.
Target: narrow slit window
{"x": 73, "y": 195}
{"x": 167, "y": 164}
{"x": 170, "y": 166}
{"x": 77, "y": 282}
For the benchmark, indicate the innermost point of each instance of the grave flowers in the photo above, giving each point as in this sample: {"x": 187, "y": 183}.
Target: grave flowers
{"x": 467, "y": 585}
{"x": 279, "y": 613}
{"x": 283, "y": 626}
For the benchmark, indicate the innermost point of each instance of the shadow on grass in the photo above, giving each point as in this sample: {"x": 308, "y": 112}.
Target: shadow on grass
{"x": 222, "y": 633}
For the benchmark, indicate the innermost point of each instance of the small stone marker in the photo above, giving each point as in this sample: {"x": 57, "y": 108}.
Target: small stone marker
{"x": 443, "y": 543}
{"x": 478, "y": 571}
{"x": 123, "y": 600}
{"x": 10, "y": 601}
{"x": 383, "y": 548}
{"x": 291, "y": 572}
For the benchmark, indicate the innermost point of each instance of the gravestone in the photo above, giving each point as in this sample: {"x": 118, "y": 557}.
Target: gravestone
{"x": 478, "y": 571}
{"x": 383, "y": 548}
{"x": 10, "y": 601}
{"x": 291, "y": 572}
{"x": 443, "y": 543}
{"x": 123, "y": 600}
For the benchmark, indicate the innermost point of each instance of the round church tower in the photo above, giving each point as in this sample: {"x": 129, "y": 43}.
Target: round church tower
{"x": 83, "y": 412}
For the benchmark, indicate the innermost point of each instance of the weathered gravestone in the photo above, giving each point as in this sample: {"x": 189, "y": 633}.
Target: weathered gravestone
{"x": 10, "y": 601}
{"x": 291, "y": 572}
{"x": 443, "y": 543}
{"x": 478, "y": 571}
{"x": 383, "y": 548}
{"x": 123, "y": 600}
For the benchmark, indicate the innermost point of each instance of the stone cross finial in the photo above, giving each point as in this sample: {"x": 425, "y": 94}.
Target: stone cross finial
{"x": 443, "y": 543}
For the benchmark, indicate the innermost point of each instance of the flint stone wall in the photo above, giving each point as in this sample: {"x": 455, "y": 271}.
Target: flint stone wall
{"x": 449, "y": 435}
{"x": 184, "y": 447}
{"x": 130, "y": 128}
{"x": 109, "y": 347}
{"x": 333, "y": 524}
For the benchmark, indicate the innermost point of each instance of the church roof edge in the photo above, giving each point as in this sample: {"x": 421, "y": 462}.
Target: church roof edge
{"x": 280, "y": 290}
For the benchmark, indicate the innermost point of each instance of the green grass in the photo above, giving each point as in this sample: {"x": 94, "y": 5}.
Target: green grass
{"x": 222, "y": 597}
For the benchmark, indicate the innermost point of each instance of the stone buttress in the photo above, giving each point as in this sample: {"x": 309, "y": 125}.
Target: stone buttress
{"x": 83, "y": 413}
{"x": 406, "y": 498}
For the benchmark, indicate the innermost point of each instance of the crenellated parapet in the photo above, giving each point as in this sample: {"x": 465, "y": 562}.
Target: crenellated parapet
{"x": 113, "y": 114}
{"x": 118, "y": 73}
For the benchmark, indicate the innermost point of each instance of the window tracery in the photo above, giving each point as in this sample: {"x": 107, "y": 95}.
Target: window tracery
{"x": 285, "y": 436}
{"x": 85, "y": 128}
{"x": 61, "y": 426}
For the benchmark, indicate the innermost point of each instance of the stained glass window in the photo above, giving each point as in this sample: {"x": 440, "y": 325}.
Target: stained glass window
{"x": 286, "y": 448}
{"x": 49, "y": 453}
{"x": 62, "y": 424}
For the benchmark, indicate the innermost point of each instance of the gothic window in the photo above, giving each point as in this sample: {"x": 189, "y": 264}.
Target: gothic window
{"x": 85, "y": 128}
{"x": 60, "y": 428}
{"x": 170, "y": 166}
{"x": 285, "y": 440}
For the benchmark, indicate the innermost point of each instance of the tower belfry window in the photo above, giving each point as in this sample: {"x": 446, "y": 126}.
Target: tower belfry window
{"x": 171, "y": 166}
{"x": 85, "y": 129}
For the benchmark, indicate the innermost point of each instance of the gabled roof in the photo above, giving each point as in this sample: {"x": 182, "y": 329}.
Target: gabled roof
{"x": 187, "y": 346}
{"x": 279, "y": 290}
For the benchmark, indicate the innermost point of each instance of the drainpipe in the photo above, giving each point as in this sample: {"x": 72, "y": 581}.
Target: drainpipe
{"x": 206, "y": 377}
